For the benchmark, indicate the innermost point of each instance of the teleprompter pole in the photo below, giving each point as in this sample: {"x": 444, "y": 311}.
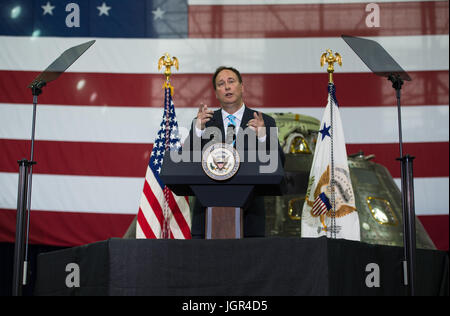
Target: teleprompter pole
{"x": 407, "y": 190}
{"x": 378, "y": 60}
{"x": 24, "y": 206}
{"x": 52, "y": 72}
{"x": 19, "y": 246}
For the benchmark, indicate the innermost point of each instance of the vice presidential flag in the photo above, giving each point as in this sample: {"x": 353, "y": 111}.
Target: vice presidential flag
{"x": 329, "y": 208}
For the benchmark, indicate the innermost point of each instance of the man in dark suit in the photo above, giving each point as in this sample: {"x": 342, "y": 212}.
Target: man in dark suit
{"x": 234, "y": 117}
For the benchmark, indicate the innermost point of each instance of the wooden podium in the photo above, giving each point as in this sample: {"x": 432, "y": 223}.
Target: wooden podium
{"x": 226, "y": 200}
{"x": 224, "y": 222}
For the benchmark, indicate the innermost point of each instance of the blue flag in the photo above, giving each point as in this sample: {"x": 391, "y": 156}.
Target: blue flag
{"x": 95, "y": 18}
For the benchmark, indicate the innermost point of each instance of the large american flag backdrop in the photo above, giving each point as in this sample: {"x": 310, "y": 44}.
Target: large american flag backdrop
{"x": 96, "y": 123}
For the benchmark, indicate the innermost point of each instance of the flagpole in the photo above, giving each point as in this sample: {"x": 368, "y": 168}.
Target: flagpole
{"x": 167, "y": 62}
{"x": 332, "y": 184}
{"x": 162, "y": 214}
{"x": 329, "y": 58}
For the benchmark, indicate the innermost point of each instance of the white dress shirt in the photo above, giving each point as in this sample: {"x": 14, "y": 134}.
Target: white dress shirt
{"x": 238, "y": 119}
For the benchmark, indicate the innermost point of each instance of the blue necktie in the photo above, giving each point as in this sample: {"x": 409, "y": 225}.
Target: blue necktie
{"x": 231, "y": 119}
{"x": 231, "y": 135}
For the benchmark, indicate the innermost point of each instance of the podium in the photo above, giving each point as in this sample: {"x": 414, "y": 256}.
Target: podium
{"x": 225, "y": 201}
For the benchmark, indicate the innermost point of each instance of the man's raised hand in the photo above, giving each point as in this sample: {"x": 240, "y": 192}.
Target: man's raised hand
{"x": 204, "y": 115}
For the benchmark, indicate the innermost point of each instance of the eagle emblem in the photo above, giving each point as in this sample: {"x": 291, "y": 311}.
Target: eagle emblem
{"x": 220, "y": 161}
{"x": 344, "y": 198}
{"x": 167, "y": 62}
{"x": 330, "y": 59}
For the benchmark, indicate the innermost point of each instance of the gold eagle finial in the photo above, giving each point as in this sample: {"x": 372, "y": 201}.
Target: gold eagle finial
{"x": 330, "y": 59}
{"x": 168, "y": 62}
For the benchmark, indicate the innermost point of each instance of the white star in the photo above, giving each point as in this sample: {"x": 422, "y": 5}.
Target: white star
{"x": 104, "y": 9}
{"x": 158, "y": 13}
{"x": 48, "y": 8}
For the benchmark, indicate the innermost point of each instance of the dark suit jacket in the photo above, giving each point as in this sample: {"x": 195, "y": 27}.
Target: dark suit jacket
{"x": 254, "y": 215}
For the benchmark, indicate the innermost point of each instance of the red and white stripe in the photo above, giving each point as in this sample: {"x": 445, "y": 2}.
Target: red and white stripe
{"x": 150, "y": 216}
{"x": 319, "y": 208}
{"x": 96, "y": 123}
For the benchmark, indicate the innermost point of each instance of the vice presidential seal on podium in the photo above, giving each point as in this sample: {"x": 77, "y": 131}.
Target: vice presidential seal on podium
{"x": 220, "y": 161}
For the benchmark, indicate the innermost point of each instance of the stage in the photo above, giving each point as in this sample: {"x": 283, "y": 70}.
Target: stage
{"x": 246, "y": 267}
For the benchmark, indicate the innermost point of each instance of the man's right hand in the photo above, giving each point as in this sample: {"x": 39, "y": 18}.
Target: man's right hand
{"x": 204, "y": 115}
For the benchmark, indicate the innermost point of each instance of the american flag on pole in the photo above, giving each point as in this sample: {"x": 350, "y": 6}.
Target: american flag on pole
{"x": 162, "y": 214}
{"x": 93, "y": 133}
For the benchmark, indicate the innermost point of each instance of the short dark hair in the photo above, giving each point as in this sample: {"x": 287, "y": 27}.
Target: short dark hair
{"x": 238, "y": 74}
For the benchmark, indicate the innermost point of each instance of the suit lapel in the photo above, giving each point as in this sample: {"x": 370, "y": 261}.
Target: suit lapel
{"x": 247, "y": 116}
{"x": 217, "y": 121}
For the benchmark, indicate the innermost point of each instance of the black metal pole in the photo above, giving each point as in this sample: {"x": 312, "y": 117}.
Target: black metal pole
{"x": 20, "y": 272}
{"x": 19, "y": 245}
{"x": 407, "y": 195}
{"x": 35, "y": 91}
{"x": 410, "y": 220}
